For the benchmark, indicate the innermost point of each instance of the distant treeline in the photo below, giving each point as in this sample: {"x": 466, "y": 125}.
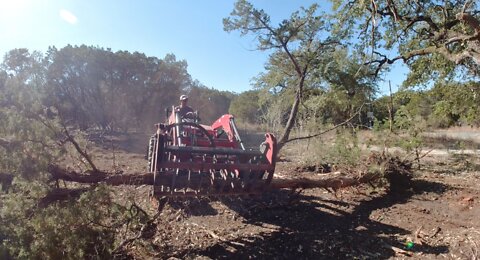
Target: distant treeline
{"x": 92, "y": 87}
{"x": 95, "y": 87}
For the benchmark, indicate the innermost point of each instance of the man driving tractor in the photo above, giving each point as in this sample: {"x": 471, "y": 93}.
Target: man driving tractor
{"x": 184, "y": 110}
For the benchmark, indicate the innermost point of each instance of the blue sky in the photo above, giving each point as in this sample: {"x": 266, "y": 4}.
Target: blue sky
{"x": 190, "y": 29}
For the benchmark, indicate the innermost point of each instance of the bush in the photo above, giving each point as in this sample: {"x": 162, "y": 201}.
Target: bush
{"x": 345, "y": 150}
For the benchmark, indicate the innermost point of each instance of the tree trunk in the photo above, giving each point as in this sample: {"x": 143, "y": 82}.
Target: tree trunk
{"x": 292, "y": 117}
{"x": 396, "y": 171}
{"x": 336, "y": 181}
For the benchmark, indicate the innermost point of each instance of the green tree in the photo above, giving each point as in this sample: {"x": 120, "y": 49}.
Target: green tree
{"x": 296, "y": 43}
{"x": 38, "y": 219}
{"x": 246, "y": 106}
{"x": 210, "y": 103}
{"x": 436, "y": 39}
{"x": 94, "y": 87}
{"x": 350, "y": 85}
{"x": 455, "y": 103}
{"x": 335, "y": 91}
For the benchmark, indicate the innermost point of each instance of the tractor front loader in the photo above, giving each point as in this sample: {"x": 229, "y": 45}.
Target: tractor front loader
{"x": 191, "y": 159}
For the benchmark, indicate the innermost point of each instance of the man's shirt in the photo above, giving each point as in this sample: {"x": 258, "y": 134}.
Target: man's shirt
{"x": 183, "y": 110}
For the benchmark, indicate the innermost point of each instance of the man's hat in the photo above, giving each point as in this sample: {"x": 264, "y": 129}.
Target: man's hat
{"x": 183, "y": 97}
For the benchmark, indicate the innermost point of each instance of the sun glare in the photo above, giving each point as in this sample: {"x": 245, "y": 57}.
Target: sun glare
{"x": 68, "y": 16}
{"x": 13, "y": 15}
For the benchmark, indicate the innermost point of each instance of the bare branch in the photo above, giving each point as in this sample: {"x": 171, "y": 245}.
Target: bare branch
{"x": 78, "y": 148}
{"x": 330, "y": 129}
{"x": 422, "y": 18}
{"x": 280, "y": 40}
{"x": 144, "y": 230}
{"x": 466, "y": 6}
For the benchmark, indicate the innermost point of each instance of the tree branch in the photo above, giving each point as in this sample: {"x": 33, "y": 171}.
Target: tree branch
{"x": 138, "y": 179}
{"x": 335, "y": 182}
{"x": 440, "y": 34}
{"x": 144, "y": 231}
{"x": 280, "y": 40}
{"x": 407, "y": 56}
{"x": 78, "y": 148}
{"x": 328, "y": 130}
{"x": 422, "y": 18}
{"x": 378, "y": 166}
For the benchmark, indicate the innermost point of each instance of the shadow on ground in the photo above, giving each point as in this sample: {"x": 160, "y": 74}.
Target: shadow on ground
{"x": 308, "y": 227}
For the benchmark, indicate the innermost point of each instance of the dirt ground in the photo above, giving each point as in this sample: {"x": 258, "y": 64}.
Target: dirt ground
{"x": 438, "y": 215}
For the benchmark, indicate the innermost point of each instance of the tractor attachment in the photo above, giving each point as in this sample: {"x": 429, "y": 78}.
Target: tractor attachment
{"x": 190, "y": 159}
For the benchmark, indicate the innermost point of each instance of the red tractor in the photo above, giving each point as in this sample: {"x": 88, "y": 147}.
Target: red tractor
{"x": 191, "y": 159}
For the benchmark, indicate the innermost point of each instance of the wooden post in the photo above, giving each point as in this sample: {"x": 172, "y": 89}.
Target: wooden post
{"x": 390, "y": 108}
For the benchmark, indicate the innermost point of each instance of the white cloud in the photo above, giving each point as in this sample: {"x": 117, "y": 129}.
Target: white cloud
{"x": 68, "y": 17}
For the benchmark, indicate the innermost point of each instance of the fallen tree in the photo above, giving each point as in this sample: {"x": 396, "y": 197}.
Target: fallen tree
{"x": 137, "y": 179}
{"x": 379, "y": 167}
